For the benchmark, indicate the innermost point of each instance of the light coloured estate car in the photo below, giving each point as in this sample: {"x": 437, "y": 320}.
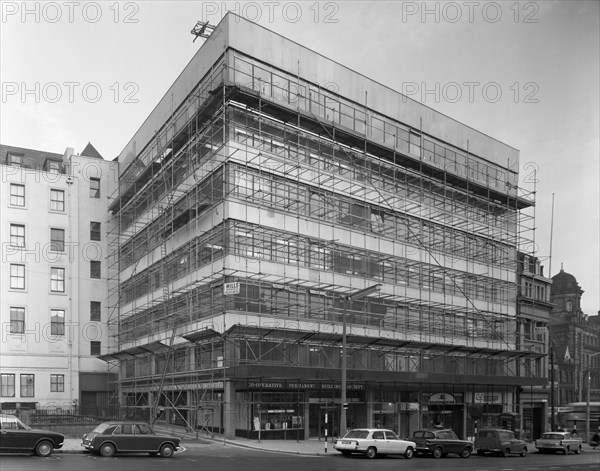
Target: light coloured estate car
{"x": 558, "y": 441}
{"x": 373, "y": 442}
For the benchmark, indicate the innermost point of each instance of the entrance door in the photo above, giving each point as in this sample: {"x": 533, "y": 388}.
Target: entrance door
{"x": 316, "y": 420}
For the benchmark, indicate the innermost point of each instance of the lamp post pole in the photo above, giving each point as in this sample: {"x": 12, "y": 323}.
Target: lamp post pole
{"x": 587, "y": 404}
{"x": 344, "y": 368}
{"x": 552, "y": 416}
{"x": 344, "y": 405}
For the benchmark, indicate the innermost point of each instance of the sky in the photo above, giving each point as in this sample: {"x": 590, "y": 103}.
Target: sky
{"x": 524, "y": 72}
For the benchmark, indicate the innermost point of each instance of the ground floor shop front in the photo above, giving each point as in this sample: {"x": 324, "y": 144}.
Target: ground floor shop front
{"x": 300, "y": 409}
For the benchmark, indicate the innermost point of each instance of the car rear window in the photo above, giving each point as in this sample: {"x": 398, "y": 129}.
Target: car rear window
{"x": 357, "y": 434}
{"x": 552, "y": 436}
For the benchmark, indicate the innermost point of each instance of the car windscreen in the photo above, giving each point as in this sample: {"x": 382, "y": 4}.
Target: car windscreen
{"x": 357, "y": 434}
{"x": 101, "y": 428}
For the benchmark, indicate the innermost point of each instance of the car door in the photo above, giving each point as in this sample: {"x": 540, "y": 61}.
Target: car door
{"x": 145, "y": 440}
{"x": 451, "y": 440}
{"x": 8, "y": 437}
{"x": 393, "y": 444}
{"x": 125, "y": 438}
{"x": 14, "y": 436}
{"x": 379, "y": 441}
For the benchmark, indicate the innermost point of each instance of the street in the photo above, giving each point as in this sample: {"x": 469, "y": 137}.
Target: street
{"x": 229, "y": 458}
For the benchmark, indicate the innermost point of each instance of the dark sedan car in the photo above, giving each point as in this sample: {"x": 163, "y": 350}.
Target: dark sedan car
{"x": 440, "y": 443}
{"x": 109, "y": 438}
{"x": 15, "y": 436}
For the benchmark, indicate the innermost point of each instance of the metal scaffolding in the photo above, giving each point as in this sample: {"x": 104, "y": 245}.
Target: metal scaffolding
{"x": 269, "y": 186}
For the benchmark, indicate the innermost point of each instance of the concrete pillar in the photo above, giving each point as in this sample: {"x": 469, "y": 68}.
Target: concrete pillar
{"x": 306, "y": 418}
{"x": 464, "y": 422}
{"x": 229, "y": 412}
{"x": 369, "y": 396}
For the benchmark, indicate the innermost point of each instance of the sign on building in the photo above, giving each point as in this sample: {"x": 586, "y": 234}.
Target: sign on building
{"x": 231, "y": 288}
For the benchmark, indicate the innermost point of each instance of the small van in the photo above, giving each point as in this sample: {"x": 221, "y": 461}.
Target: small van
{"x": 499, "y": 442}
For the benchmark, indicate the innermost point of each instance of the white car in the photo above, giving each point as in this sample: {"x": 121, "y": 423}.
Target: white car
{"x": 373, "y": 442}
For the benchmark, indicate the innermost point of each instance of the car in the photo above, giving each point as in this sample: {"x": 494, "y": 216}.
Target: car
{"x": 15, "y": 436}
{"x": 109, "y": 438}
{"x": 373, "y": 442}
{"x": 499, "y": 442}
{"x": 441, "y": 442}
{"x": 559, "y": 441}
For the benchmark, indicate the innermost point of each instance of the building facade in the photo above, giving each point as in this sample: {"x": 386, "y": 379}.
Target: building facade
{"x": 254, "y": 200}
{"x": 53, "y": 282}
{"x": 576, "y": 343}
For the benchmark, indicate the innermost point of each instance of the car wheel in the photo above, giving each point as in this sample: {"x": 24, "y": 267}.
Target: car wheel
{"x": 578, "y": 450}
{"x": 346, "y": 453}
{"x": 465, "y": 453}
{"x": 506, "y": 453}
{"x": 437, "y": 453}
{"x": 409, "y": 453}
{"x": 566, "y": 451}
{"x": 167, "y": 450}
{"x": 523, "y": 452}
{"x": 44, "y": 448}
{"x": 107, "y": 449}
{"x": 371, "y": 452}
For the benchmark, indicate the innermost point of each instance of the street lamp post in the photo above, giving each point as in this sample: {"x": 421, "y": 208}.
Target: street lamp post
{"x": 587, "y": 404}
{"x": 358, "y": 295}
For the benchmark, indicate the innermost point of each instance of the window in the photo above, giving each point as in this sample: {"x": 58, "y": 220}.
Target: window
{"x": 17, "y": 235}
{"x": 57, "y": 322}
{"x": 17, "y": 320}
{"x": 14, "y": 159}
{"x": 569, "y": 305}
{"x": 57, "y": 200}
{"x": 17, "y": 194}
{"x": 57, "y": 240}
{"x": 94, "y": 188}
{"x": 53, "y": 166}
{"x": 27, "y": 385}
{"x": 7, "y": 385}
{"x": 57, "y": 280}
{"x": 94, "y": 348}
{"x": 95, "y": 310}
{"x": 95, "y": 269}
{"x": 94, "y": 230}
{"x": 17, "y": 276}
{"x": 57, "y": 383}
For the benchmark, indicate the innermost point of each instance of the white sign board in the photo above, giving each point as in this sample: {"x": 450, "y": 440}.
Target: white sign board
{"x": 231, "y": 288}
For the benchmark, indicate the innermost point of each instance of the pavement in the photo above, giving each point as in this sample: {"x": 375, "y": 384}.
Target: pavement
{"x": 311, "y": 447}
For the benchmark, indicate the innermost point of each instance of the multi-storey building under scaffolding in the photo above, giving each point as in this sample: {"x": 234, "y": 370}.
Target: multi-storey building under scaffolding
{"x": 255, "y": 200}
